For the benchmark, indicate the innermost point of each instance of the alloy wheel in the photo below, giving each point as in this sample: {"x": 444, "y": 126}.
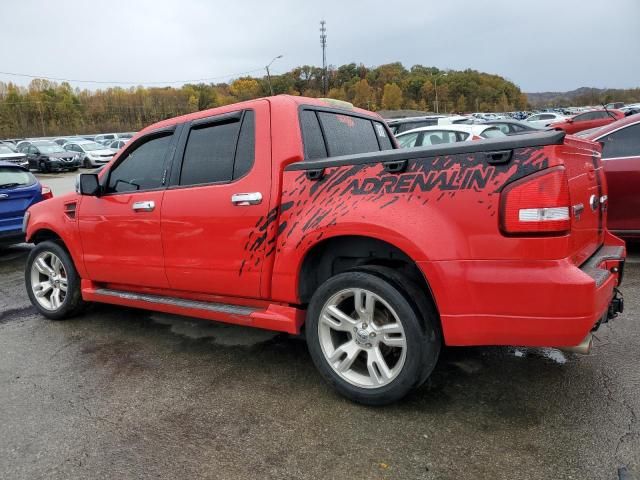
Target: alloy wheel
{"x": 362, "y": 338}
{"x": 49, "y": 280}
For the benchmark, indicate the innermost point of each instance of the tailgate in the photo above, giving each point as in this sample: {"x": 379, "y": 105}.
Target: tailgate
{"x": 587, "y": 190}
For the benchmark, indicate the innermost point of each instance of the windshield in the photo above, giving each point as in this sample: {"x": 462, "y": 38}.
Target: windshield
{"x": 90, "y": 147}
{"x": 49, "y": 148}
{"x": 5, "y": 149}
{"x": 15, "y": 177}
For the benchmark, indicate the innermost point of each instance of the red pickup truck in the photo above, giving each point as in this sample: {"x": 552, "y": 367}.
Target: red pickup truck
{"x": 293, "y": 214}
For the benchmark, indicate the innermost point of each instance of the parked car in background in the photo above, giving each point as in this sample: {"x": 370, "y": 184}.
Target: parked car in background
{"x": 9, "y": 143}
{"x": 436, "y": 135}
{"x": 91, "y": 154}
{"x": 8, "y": 154}
{"x": 22, "y": 145}
{"x": 400, "y": 125}
{"x": 544, "y": 119}
{"x": 48, "y": 156}
{"x": 514, "y": 127}
{"x": 614, "y": 105}
{"x": 64, "y": 140}
{"x": 105, "y": 138}
{"x": 587, "y": 120}
{"x": 620, "y": 142}
{"x": 19, "y": 189}
{"x": 118, "y": 144}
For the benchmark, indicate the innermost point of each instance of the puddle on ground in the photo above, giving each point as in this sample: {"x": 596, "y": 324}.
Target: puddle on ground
{"x": 219, "y": 333}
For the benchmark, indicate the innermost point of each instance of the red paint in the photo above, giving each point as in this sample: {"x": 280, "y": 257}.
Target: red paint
{"x": 623, "y": 179}
{"x": 576, "y": 124}
{"x": 442, "y": 212}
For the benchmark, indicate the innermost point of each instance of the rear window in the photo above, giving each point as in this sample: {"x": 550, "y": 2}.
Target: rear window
{"x": 328, "y": 134}
{"x": 492, "y": 133}
{"x": 15, "y": 177}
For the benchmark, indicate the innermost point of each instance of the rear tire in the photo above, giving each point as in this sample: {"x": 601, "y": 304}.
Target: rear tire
{"x": 368, "y": 338}
{"x": 52, "y": 282}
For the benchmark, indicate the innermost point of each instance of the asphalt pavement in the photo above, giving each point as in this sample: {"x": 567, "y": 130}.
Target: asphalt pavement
{"x": 122, "y": 393}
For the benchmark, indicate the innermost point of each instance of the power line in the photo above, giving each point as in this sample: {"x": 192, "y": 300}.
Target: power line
{"x": 115, "y": 82}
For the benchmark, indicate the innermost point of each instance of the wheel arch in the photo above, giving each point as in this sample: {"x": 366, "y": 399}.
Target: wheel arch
{"x": 341, "y": 253}
{"x": 42, "y": 232}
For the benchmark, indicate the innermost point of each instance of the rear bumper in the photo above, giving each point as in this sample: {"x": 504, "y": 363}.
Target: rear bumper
{"x": 530, "y": 303}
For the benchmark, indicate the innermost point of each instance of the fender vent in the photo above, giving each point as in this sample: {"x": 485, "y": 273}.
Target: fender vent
{"x": 70, "y": 210}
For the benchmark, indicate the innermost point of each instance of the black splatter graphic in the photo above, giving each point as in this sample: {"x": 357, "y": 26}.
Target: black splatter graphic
{"x": 308, "y": 205}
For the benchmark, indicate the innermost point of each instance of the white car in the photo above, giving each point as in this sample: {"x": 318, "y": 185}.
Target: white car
{"x": 118, "y": 144}
{"x": 8, "y": 154}
{"x": 92, "y": 154}
{"x": 439, "y": 134}
{"x": 105, "y": 138}
{"x": 544, "y": 119}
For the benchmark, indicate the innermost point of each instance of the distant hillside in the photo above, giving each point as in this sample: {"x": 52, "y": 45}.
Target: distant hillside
{"x": 584, "y": 96}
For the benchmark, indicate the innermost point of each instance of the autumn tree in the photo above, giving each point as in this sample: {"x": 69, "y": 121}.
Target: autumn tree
{"x": 245, "y": 88}
{"x": 392, "y": 97}
{"x": 362, "y": 94}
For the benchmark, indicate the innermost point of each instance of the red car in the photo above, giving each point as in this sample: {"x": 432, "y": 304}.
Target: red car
{"x": 297, "y": 214}
{"x": 587, "y": 120}
{"x": 621, "y": 157}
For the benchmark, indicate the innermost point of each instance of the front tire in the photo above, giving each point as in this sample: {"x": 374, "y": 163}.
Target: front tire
{"x": 52, "y": 281}
{"x": 369, "y": 339}
{"x": 86, "y": 163}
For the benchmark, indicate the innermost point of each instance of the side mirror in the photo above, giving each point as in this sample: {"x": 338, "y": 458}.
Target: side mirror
{"x": 569, "y": 120}
{"x": 88, "y": 184}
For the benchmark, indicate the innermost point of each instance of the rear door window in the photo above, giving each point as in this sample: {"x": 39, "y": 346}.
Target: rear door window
{"x": 220, "y": 151}
{"x": 492, "y": 133}
{"x": 408, "y": 140}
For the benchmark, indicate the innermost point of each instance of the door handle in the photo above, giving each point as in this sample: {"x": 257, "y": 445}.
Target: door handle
{"x": 145, "y": 206}
{"x": 244, "y": 199}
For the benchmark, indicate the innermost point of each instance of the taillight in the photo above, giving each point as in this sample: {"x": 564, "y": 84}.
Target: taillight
{"x": 46, "y": 192}
{"x": 536, "y": 204}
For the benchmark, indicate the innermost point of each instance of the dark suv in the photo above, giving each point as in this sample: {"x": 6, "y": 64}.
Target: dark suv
{"x": 48, "y": 156}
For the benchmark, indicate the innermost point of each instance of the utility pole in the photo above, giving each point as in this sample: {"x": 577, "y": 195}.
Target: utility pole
{"x": 323, "y": 43}
{"x": 269, "y": 73}
{"x": 435, "y": 79}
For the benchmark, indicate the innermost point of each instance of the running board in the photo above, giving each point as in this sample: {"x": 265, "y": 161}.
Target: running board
{"x": 281, "y": 318}
{"x": 178, "y": 302}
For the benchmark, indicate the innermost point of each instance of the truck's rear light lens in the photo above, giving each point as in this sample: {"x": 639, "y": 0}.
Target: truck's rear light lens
{"x": 46, "y": 192}
{"x": 537, "y": 204}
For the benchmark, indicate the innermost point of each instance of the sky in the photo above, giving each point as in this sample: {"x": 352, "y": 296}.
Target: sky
{"x": 541, "y": 45}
